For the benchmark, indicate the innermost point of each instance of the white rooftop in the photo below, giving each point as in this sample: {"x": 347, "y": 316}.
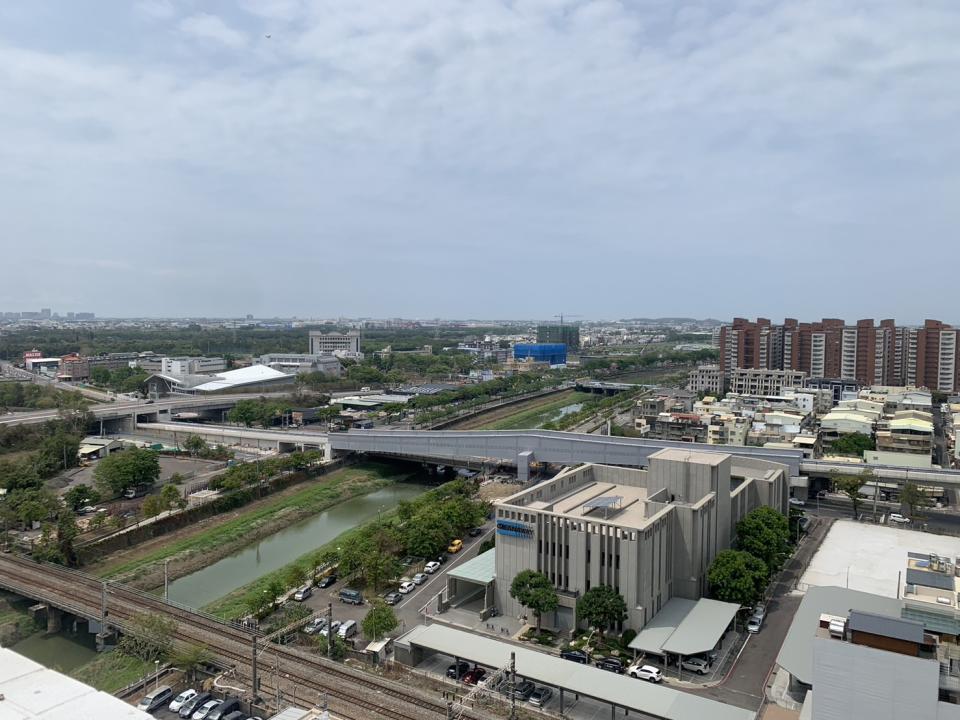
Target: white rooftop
{"x": 242, "y": 376}
{"x": 30, "y": 691}
{"x": 869, "y": 557}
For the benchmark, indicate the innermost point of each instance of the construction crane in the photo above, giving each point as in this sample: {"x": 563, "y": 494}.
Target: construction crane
{"x": 561, "y": 316}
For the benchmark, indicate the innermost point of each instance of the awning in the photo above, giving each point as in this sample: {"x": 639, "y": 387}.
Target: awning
{"x": 686, "y": 627}
{"x": 481, "y": 570}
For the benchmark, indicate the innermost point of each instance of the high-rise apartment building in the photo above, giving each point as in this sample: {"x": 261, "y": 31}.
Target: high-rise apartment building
{"x": 866, "y": 352}
{"x": 567, "y": 334}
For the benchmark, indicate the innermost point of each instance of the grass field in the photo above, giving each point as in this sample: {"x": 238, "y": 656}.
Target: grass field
{"x": 325, "y": 492}
{"x": 534, "y": 417}
{"x": 112, "y": 671}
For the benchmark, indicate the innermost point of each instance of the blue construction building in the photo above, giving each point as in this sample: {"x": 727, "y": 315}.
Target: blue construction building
{"x": 553, "y": 353}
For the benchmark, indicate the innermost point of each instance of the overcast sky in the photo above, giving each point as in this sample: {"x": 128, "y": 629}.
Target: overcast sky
{"x": 485, "y": 158}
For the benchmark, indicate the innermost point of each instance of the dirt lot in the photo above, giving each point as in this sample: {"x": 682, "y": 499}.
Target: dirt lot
{"x": 168, "y": 467}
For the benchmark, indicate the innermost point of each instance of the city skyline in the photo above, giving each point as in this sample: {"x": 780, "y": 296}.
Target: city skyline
{"x": 177, "y": 161}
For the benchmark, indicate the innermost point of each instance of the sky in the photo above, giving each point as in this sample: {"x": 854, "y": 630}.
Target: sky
{"x": 481, "y": 159}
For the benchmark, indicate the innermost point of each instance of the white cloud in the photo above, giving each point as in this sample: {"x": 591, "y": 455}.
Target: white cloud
{"x": 156, "y": 9}
{"x": 204, "y": 26}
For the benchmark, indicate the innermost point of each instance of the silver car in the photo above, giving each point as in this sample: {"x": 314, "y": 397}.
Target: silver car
{"x": 696, "y": 664}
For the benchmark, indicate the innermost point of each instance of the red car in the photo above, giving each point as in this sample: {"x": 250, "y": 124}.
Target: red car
{"x": 474, "y": 676}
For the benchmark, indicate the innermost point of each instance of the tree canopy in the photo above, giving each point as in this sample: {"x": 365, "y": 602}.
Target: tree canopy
{"x": 850, "y": 486}
{"x": 765, "y": 534}
{"x": 379, "y": 621}
{"x": 534, "y": 590}
{"x": 601, "y": 607}
{"x": 738, "y": 577}
{"x": 127, "y": 468}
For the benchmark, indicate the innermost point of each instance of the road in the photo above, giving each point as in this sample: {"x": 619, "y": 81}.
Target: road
{"x": 944, "y": 521}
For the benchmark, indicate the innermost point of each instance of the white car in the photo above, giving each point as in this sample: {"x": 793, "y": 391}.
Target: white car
{"x": 420, "y": 578}
{"x": 180, "y": 699}
{"x": 645, "y": 672}
{"x": 406, "y": 587}
{"x": 205, "y": 709}
{"x": 899, "y": 519}
{"x": 754, "y": 624}
{"x": 431, "y": 567}
{"x": 796, "y": 502}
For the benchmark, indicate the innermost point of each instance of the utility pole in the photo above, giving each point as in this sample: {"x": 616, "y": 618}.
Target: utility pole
{"x": 513, "y": 686}
{"x": 276, "y": 676}
{"x": 253, "y": 665}
{"x": 166, "y": 580}
{"x": 329, "y": 630}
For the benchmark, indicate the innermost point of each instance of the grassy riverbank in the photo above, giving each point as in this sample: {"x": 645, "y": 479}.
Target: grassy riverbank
{"x": 223, "y": 536}
{"x": 112, "y": 671}
{"x": 534, "y": 417}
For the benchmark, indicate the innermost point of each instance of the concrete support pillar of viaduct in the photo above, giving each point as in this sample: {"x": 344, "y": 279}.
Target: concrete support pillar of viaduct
{"x": 54, "y": 620}
{"x": 524, "y": 458}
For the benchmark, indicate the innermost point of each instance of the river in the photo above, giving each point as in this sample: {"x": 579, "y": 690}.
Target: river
{"x": 234, "y": 571}
{"x": 63, "y": 652}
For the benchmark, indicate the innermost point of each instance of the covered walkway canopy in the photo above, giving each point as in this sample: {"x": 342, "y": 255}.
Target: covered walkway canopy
{"x": 686, "y": 627}
{"x": 620, "y": 691}
{"x": 472, "y": 581}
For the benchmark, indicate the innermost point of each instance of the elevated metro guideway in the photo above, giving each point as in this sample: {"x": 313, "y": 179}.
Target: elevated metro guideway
{"x": 525, "y": 446}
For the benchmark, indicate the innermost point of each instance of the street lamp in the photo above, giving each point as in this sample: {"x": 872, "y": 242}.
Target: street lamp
{"x": 156, "y": 674}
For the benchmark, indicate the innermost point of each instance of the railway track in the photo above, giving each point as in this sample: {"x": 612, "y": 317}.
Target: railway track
{"x": 348, "y": 690}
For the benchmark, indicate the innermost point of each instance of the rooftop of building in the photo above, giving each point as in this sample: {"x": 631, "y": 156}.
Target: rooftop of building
{"x": 691, "y": 456}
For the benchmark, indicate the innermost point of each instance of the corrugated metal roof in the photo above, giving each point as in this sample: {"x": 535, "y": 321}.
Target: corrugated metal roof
{"x": 481, "y": 569}
{"x": 909, "y": 630}
{"x": 796, "y": 654}
{"x": 656, "y": 632}
{"x": 625, "y": 692}
{"x": 702, "y": 628}
{"x": 33, "y": 692}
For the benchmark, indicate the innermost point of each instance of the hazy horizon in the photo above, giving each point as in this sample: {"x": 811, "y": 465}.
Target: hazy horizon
{"x": 493, "y": 159}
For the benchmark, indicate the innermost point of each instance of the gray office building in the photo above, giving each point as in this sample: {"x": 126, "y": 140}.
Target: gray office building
{"x": 651, "y": 534}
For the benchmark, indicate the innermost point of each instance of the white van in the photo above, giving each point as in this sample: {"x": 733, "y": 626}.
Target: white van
{"x": 303, "y": 593}
{"x": 348, "y": 629}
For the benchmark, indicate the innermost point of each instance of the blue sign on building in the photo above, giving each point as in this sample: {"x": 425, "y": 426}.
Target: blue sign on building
{"x": 514, "y": 529}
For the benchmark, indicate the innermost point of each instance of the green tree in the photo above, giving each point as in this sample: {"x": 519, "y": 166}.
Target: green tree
{"x": 295, "y": 576}
{"x": 534, "y": 591}
{"x": 19, "y": 475}
{"x": 601, "y": 607}
{"x": 379, "y": 621}
{"x": 80, "y": 495}
{"x": 852, "y": 444}
{"x": 127, "y": 468}
{"x": 738, "y": 577}
{"x": 245, "y": 412}
{"x": 58, "y": 452}
{"x": 196, "y": 445}
{"x": 850, "y": 486}
{"x": 153, "y": 506}
{"x": 765, "y": 534}
{"x": 191, "y": 658}
{"x": 339, "y": 649}
{"x": 148, "y": 637}
{"x": 100, "y": 375}
{"x": 914, "y": 498}
{"x": 171, "y": 497}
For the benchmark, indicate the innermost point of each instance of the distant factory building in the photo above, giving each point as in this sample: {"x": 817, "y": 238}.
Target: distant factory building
{"x": 552, "y": 353}
{"x": 324, "y": 342}
{"x": 302, "y": 363}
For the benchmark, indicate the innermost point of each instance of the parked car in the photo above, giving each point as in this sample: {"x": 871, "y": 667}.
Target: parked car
{"x": 754, "y": 624}
{"x": 645, "y": 672}
{"x": 392, "y": 598}
{"x": 315, "y": 626}
{"x": 348, "y": 629}
{"x": 334, "y": 626}
{"x": 576, "y": 655}
{"x": 303, "y": 593}
{"x": 327, "y": 581}
{"x": 457, "y": 670}
{"x": 236, "y": 715}
{"x": 406, "y": 587}
{"x": 523, "y": 690}
{"x": 181, "y": 699}
{"x": 431, "y": 567}
{"x": 610, "y": 663}
{"x": 796, "y": 502}
{"x": 186, "y": 710}
{"x": 420, "y": 578}
{"x": 696, "y": 664}
{"x": 474, "y": 676}
{"x": 202, "y": 712}
{"x": 156, "y": 699}
{"x": 477, "y": 532}
{"x": 455, "y": 546}
{"x": 760, "y": 611}
{"x": 491, "y": 682}
{"x": 899, "y": 519}
{"x": 228, "y": 706}
{"x": 541, "y": 696}
{"x": 351, "y": 597}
